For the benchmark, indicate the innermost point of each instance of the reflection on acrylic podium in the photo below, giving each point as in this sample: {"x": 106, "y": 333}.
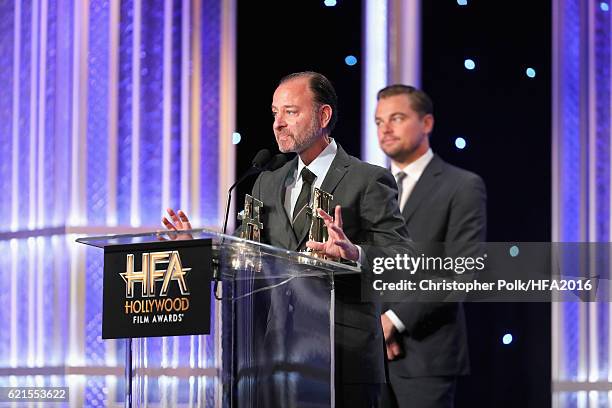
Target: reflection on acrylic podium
{"x": 271, "y": 341}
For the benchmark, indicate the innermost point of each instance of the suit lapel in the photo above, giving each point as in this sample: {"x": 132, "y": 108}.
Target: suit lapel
{"x": 336, "y": 171}
{"x": 427, "y": 182}
{"x": 335, "y": 174}
{"x": 280, "y": 184}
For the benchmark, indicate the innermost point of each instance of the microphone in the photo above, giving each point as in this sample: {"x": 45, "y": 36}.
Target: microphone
{"x": 277, "y": 162}
{"x": 261, "y": 159}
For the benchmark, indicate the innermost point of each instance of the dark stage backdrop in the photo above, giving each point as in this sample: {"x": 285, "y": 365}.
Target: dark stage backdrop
{"x": 276, "y": 38}
{"x": 502, "y": 114}
{"x": 505, "y": 118}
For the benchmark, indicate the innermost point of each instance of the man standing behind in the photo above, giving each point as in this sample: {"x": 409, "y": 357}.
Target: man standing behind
{"x": 426, "y": 342}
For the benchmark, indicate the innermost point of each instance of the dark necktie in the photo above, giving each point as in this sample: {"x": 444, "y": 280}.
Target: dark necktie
{"x": 300, "y": 216}
{"x": 399, "y": 178}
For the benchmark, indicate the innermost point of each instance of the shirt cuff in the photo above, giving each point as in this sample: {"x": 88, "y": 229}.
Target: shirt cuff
{"x": 395, "y": 320}
{"x": 361, "y": 259}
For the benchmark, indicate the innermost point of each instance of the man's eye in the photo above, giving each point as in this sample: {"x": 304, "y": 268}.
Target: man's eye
{"x": 397, "y": 119}
{"x": 273, "y": 114}
{"x": 290, "y": 112}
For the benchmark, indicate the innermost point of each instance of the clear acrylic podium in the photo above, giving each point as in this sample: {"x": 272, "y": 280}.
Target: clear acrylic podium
{"x": 273, "y": 328}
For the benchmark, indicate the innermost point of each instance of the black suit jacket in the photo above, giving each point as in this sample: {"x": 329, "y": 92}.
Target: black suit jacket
{"x": 448, "y": 204}
{"x": 371, "y": 219}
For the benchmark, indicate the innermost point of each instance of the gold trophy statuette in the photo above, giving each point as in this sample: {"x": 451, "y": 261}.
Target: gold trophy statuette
{"x": 318, "y": 230}
{"x": 250, "y": 218}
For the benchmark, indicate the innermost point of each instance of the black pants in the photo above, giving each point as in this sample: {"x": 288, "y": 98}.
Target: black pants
{"x": 358, "y": 395}
{"x": 420, "y": 392}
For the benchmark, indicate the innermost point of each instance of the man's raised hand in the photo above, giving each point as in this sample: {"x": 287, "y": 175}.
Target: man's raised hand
{"x": 337, "y": 244}
{"x": 178, "y": 222}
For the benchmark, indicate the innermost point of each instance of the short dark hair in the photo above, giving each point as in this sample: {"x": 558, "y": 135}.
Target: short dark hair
{"x": 323, "y": 91}
{"x": 421, "y": 102}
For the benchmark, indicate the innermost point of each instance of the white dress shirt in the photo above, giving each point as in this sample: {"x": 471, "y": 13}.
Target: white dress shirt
{"x": 413, "y": 173}
{"x": 319, "y": 167}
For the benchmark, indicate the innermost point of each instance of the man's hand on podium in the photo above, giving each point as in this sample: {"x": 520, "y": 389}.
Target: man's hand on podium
{"x": 179, "y": 222}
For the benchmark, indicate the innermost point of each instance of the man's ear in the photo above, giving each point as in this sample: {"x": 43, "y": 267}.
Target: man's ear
{"x": 325, "y": 115}
{"x": 428, "y": 123}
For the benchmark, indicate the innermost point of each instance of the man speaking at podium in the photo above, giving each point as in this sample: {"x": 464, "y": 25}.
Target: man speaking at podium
{"x": 366, "y": 222}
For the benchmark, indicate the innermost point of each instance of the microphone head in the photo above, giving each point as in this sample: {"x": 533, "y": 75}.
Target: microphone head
{"x": 277, "y": 162}
{"x": 261, "y": 158}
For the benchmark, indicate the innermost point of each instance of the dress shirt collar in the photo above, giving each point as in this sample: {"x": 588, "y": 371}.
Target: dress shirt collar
{"x": 321, "y": 163}
{"x": 416, "y": 168}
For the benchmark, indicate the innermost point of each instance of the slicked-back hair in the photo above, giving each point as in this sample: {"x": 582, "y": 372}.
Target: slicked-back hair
{"x": 323, "y": 91}
{"x": 420, "y": 101}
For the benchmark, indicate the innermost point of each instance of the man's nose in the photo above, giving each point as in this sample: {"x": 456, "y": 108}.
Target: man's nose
{"x": 385, "y": 128}
{"x": 279, "y": 121}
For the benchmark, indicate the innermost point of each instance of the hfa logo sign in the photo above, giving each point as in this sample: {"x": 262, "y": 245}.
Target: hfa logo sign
{"x": 157, "y": 292}
{"x": 150, "y": 274}
{"x": 148, "y": 277}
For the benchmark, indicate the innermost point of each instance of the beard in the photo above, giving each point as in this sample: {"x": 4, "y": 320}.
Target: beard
{"x": 298, "y": 142}
{"x": 402, "y": 150}
{"x": 395, "y": 152}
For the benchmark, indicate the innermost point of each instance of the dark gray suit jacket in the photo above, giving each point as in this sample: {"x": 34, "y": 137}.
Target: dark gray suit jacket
{"x": 371, "y": 217}
{"x": 448, "y": 204}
